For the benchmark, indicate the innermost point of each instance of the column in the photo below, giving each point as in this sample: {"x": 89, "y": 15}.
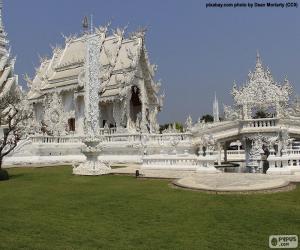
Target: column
{"x": 117, "y": 113}
{"x": 219, "y": 153}
{"x": 225, "y": 151}
{"x": 144, "y": 107}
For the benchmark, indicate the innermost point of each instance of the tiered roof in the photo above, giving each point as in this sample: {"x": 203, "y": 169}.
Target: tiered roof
{"x": 121, "y": 59}
{"x": 261, "y": 89}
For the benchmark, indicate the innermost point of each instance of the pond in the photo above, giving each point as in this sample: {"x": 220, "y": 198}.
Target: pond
{"x": 237, "y": 167}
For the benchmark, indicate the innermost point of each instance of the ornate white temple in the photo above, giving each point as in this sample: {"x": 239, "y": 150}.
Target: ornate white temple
{"x": 95, "y": 103}
{"x": 128, "y": 93}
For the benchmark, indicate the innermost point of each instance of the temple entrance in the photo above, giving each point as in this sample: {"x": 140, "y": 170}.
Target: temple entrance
{"x": 106, "y": 115}
{"x": 135, "y": 105}
{"x": 71, "y": 124}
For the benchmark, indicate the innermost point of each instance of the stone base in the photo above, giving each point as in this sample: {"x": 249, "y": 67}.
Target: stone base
{"x": 205, "y": 170}
{"x": 169, "y": 167}
{"x": 21, "y": 161}
{"x": 294, "y": 169}
{"x": 91, "y": 168}
{"x": 280, "y": 171}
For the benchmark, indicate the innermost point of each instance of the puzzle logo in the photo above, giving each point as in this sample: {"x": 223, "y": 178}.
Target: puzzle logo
{"x": 283, "y": 241}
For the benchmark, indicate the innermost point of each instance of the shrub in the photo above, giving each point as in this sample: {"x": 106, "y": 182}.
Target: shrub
{"x": 3, "y": 175}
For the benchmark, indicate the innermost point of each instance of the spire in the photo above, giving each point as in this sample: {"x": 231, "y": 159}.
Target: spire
{"x": 1, "y": 23}
{"x": 85, "y": 24}
{"x": 258, "y": 60}
{"x": 92, "y": 23}
{"x": 3, "y": 37}
{"x": 216, "y": 109}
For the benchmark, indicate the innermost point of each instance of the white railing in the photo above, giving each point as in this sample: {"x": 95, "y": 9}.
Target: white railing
{"x": 289, "y": 158}
{"x": 111, "y": 135}
{"x": 171, "y": 160}
{"x": 293, "y": 152}
{"x": 235, "y": 152}
{"x": 185, "y": 161}
{"x": 107, "y": 131}
{"x": 260, "y": 123}
{"x": 170, "y": 137}
{"x": 122, "y": 137}
{"x": 55, "y": 139}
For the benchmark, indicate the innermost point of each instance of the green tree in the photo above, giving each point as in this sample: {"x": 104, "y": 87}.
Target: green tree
{"x": 207, "y": 118}
{"x": 178, "y": 126}
{"x": 261, "y": 114}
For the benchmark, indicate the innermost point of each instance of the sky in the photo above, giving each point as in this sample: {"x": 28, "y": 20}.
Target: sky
{"x": 199, "y": 51}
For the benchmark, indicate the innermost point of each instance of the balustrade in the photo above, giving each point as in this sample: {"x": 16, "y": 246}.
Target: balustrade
{"x": 55, "y": 139}
{"x": 171, "y": 161}
{"x": 111, "y": 135}
{"x": 260, "y": 123}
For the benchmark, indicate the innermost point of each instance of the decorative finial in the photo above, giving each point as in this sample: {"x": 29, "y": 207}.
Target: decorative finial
{"x": 234, "y": 84}
{"x": 85, "y": 24}
{"x": 92, "y": 24}
{"x": 258, "y": 61}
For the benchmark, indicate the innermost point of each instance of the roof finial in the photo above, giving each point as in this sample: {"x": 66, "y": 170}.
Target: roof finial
{"x": 92, "y": 23}
{"x": 85, "y": 24}
{"x": 257, "y": 54}
{"x": 258, "y": 60}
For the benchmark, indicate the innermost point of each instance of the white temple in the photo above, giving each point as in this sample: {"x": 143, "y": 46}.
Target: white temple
{"x": 95, "y": 103}
{"x": 128, "y": 93}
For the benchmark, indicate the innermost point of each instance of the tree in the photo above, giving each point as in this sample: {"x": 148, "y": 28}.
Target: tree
{"x": 13, "y": 117}
{"x": 178, "y": 126}
{"x": 207, "y": 118}
{"x": 261, "y": 114}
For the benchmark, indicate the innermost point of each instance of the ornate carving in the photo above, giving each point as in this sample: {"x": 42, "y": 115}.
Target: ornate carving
{"x": 92, "y": 86}
{"x": 189, "y": 122}
{"x": 230, "y": 113}
{"x": 294, "y": 110}
{"x": 56, "y": 119}
{"x": 132, "y": 56}
{"x": 262, "y": 91}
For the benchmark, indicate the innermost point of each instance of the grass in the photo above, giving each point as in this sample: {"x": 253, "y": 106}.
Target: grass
{"x": 51, "y": 209}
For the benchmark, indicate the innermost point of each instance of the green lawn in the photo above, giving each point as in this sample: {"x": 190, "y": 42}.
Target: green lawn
{"x": 51, "y": 209}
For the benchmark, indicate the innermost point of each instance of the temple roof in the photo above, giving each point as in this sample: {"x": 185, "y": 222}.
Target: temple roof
{"x": 261, "y": 89}
{"x": 119, "y": 63}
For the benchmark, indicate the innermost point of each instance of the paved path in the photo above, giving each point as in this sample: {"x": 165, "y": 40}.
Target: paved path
{"x": 221, "y": 182}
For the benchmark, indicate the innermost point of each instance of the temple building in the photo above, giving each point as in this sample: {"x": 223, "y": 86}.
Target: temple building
{"x": 129, "y": 97}
{"x": 95, "y": 103}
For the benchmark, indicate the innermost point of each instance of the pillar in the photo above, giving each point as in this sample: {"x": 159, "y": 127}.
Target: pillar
{"x": 219, "y": 153}
{"x": 225, "y": 151}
